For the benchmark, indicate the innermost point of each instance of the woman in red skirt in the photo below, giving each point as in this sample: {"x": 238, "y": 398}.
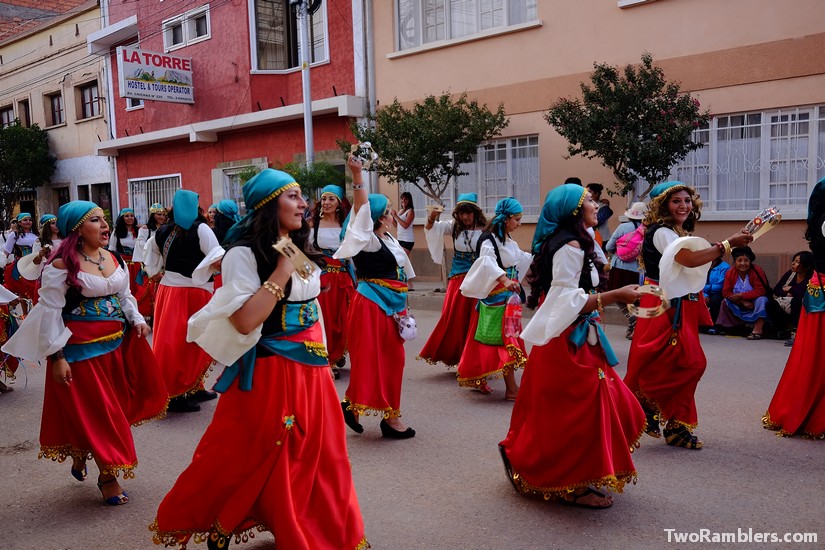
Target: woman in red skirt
{"x": 798, "y": 405}
{"x": 575, "y": 423}
{"x": 125, "y": 241}
{"x": 176, "y": 249}
{"x": 666, "y": 359}
{"x": 336, "y": 280}
{"x": 101, "y": 376}
{"x": 157, "y": 217}
{"x": 447, "y": 340}
{"x": 494, "y": 276}
{"x": 375, "y": 345}
{"x": 274, "y": 457}
{"x": 20, "y": 243}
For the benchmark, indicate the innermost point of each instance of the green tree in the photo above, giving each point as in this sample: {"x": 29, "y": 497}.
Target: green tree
{"x": 314, "y": 177}
{"x": 427, "y": 144}
{"x": 636, "y": 122}
{"x": 25, "y": 163}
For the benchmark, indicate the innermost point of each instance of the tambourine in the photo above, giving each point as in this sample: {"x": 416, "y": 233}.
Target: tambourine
{"x": 763, "y": 222}
{"x": 434, "y": 208}
{"x": 365, "y": 153}
{"x": 650, "y": 312}
{"x": 304, "y": 267}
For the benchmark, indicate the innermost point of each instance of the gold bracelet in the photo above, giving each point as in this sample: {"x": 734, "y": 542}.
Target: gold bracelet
{"x": 599, "y": 305}
{"x": 726, "y": 244}
{"x": 274, "y": 289}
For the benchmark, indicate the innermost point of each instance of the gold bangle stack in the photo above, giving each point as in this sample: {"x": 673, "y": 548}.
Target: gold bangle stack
{"x": 274, "y": 289}
{"x": 599, "y": 305}
{"x": 726, "y": 244}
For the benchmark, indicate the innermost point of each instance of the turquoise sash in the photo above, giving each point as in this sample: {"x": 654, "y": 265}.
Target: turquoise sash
{"x": 296, "y": 317}
{"x": 579, "y": 336}
{"x": 100, "y": 308}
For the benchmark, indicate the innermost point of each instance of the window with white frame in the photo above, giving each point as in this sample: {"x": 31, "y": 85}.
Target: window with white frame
{"x": 133, "y": 103}
{"x": 6, "y": 116}
{"x": 187, "y": 28}
{"x": 88, "y": 100}
{"x": 276, "y": 36}
{"x": 501, "y": 168}
{"x": 421, "y": 22}
{"x": 752, "y": 160}
{"x": 147, "y": 191}
{"x": 233, "y": 187}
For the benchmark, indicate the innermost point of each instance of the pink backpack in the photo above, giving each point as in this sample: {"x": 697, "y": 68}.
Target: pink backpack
{"x": 629, "y": 245}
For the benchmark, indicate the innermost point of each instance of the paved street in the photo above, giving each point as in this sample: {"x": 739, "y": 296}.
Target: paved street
{"x": 446, "y": 489}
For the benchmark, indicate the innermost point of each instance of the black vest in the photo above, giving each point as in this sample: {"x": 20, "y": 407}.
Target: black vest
{"x": 380, "y": 264}
{"x": 185, "y": 250}
{"x": 817, "y": 245}
{"x": 554, "y": 244}
{"x": 650, "y": 255}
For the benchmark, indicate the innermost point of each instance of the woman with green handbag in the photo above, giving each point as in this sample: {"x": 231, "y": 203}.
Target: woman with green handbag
{"x": 494, "y": 276}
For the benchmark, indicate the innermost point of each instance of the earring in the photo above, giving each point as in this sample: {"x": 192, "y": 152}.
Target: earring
{"x": 322, "y": 214}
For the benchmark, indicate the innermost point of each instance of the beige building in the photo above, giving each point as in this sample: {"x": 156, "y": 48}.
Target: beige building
{"x": 48, "y": 78}
{"x": 756, "y": 64}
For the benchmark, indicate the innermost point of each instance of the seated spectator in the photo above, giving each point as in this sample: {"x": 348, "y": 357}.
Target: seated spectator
{"x": 745, "y": 294}
{"x": 794, "y": 284}
{"x": 713, "y": 288}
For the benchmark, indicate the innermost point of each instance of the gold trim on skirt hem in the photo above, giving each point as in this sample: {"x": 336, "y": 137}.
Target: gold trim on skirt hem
{"x": 181, "y": 538}
{"x": 60, "y": 453}
{"x": 768, "y": 424}
{"x": 367, "y": 410}
{"x": 614, "y": 483}
{"x": 645, "y": 400}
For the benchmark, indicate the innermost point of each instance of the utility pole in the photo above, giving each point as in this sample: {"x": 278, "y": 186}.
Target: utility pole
{"x": 301, "y": 8}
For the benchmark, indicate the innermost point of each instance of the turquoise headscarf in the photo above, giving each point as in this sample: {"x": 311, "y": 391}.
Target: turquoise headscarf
{"x": 126, "y": 211}
{"x": 334, "y": 190}
{"x": 378, "y": 207}
{"x": 666, "y": 186}
{"x": 229, "y": 209}
{"x": 72, "y": 215}
{"x": 157, "y": 208}
{"x": 561, "y": 204}
{"x": 185, "y": 208}
{"x": 505, "y": 208}
{"x": 816, "y": 204}
{"x": 46, "y": 218}
{"x": 467, "y": 197}
{"x": 265, "y": 186}
{"x": 23, "y": 215}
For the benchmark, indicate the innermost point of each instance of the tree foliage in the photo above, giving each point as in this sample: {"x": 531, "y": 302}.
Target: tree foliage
{"x": 427, "y": 144}
{"x": 25, "y": 163}
{"x": 636, "y": 122}
{"x": 314, "y": 177}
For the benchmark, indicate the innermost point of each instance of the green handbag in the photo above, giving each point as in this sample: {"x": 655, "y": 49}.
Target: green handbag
{"x": 490, "y": 322}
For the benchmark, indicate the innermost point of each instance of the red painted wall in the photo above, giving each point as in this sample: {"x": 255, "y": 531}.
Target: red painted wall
{"x": 224, "y": 87}
{"x": 195, "y": 161}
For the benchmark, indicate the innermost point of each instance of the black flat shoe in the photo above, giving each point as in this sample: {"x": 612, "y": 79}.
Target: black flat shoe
{"x": 349, "y": 418}
{"x": 183, "y": 404}
{"x": 391, "y": 433}
{"x": 508, "y": 469}
{"x": 204, "y": 395}
{"x": 217, "y": 542}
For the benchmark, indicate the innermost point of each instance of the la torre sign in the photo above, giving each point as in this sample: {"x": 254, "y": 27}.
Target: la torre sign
{"x": 154, "y": 76}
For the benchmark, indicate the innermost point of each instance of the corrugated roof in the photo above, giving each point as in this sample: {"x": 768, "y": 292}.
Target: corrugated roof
{"x": 19, "y": 17}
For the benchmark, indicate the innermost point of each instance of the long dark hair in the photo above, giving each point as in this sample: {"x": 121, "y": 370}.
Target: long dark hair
{"x": 19, "y": 232}
{"x": 806, "y": 261}
{"x": 340, "y": 215}
{"x": 121, "y": 228}
{"x": 407, "y": 195}
{"x": 816, "y": 241}
{"x": 46, "y": 233}
{"x": 540, "y": 274}
{"x": 152, "y": 224}
{"x": 222, "y": 225}
{"x": 266, "y": 229}
{"x": 478, "y": 218}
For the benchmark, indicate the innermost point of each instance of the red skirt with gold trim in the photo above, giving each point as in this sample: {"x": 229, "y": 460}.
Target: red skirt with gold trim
{"x": 335, "y": 300}
{"x": 798, "y": 405}
{"x": 664, "y": 369}
{"x": 184, "y": 364}
{"x": 450, "y": 334}
{"x": 108, "y": 394}
{"x": 273, "y": 459}
{"x": 143, "y": 293}
{"x": 23, "y": 287}
{"x": 574, "y": 423}
{"x": 376, "y": 352}
{"x": 482, "y": 361}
